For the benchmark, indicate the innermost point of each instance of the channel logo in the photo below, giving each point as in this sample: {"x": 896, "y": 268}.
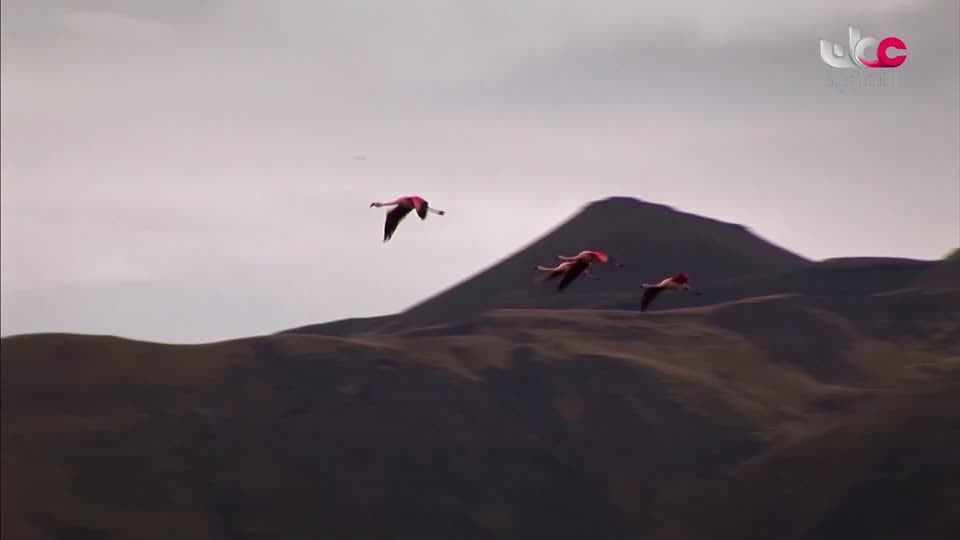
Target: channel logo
{"x": 890, "y": 52}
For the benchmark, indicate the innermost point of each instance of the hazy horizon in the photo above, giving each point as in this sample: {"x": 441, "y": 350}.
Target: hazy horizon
{"x": 187, "y": 171}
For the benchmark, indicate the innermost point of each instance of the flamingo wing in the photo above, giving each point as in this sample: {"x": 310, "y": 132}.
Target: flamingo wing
{"x": 394, "y": 217}
{"x": 572, "y": 274}
{"x": 649, "y": 294}
{"x": 553, "y": 275}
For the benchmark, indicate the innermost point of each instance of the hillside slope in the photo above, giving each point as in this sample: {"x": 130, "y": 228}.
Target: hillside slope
{"x": 944, "y": 274}
{"x": 786, "y": 416}
{"x": 841, "y": 277}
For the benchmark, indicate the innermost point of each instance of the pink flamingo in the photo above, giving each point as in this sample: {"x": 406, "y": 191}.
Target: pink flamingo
{"x": 574, "y": 266}
{"x": 679, "y": 282}
{"x": 404, "y": 205}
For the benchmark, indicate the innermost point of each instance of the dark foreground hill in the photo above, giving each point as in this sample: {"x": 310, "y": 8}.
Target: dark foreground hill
{"x": 785, "y": 416}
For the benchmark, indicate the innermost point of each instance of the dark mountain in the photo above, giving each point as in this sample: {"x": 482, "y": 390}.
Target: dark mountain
{"x": 726, "y": 260}
{"x": 653, "y": 240}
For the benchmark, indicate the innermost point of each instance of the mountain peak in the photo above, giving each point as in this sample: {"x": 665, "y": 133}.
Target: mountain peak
{"x": 624, "y": 202}
{"x": 635, "y": 206}
{"x": 653, "y": 240}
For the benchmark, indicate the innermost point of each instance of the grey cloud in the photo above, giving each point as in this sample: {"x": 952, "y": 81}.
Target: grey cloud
{"x": 758, "y": 64}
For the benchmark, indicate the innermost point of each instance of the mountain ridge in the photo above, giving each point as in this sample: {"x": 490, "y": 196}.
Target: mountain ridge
{"x": 506, "y": 283}
{"x": 614, "y": 224}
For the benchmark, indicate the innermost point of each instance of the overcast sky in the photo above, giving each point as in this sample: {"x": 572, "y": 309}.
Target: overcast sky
{"x": 185, "y": 170}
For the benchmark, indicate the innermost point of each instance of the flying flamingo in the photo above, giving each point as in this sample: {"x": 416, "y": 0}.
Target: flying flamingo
{"x": 569, "y": 270}
{"x": 404, "y": 205}
{"x": 679, "y": 282}
{"x": 574, "y": 266}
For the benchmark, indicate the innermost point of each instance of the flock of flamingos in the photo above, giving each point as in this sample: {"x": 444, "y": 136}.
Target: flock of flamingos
{"x": 570, "y": 268}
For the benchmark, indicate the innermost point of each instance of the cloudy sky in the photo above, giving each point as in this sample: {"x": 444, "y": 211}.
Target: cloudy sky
{"x": 186, "y": 170}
